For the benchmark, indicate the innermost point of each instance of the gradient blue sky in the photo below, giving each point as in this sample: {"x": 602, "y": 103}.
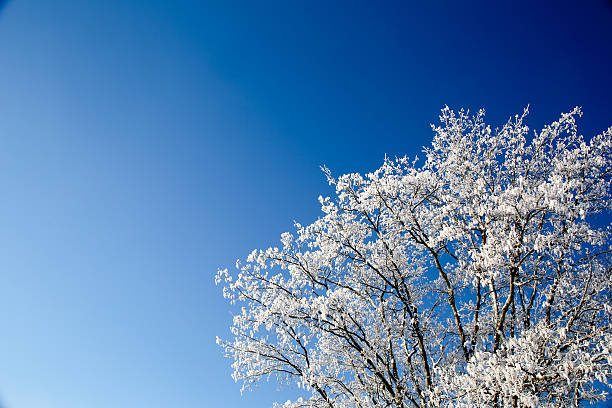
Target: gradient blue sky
{"x": 145, "y": 144}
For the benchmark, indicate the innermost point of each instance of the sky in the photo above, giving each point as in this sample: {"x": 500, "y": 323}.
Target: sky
{"x": 146, "y": 144}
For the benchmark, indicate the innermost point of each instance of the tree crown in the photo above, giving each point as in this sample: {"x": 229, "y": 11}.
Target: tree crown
{"x": 475, "y": 279}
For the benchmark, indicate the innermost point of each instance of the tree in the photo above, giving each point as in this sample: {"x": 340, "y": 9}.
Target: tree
{"x": 481, "y": 278}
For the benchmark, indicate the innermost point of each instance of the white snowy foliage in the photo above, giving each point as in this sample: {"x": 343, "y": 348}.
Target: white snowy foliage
{"x": 481, "y": 278}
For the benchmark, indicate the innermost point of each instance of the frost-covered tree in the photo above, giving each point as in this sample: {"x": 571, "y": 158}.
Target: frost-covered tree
{"x": 479, "y": 278}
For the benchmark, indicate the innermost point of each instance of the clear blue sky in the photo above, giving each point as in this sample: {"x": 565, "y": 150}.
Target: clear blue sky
{"x": 144, "y": 144}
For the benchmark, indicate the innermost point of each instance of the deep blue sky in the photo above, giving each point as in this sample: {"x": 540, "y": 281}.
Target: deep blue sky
{"x": 145, "y": 144}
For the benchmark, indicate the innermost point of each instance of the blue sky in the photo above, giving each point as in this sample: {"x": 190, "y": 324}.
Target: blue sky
{"x": 145, "y": 144}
